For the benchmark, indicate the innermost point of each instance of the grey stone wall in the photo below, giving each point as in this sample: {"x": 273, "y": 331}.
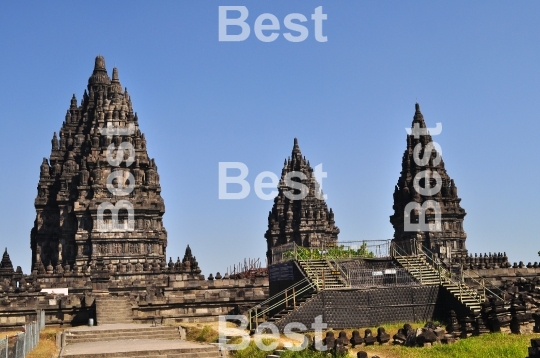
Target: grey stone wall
{"x": 374, "y": 307}
{"x": 176, "y": 298}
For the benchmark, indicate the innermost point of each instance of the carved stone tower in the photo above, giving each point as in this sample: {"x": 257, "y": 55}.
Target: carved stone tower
{"x": 307, "y": 222}
{"x": 449, "y": 240}
{"x": 92, "y": 169}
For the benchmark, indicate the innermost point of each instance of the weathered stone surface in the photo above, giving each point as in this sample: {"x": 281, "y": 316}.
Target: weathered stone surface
{"x": 369, "y": 339}
{"x": 382, "y": 336}
{"x": 79, "y": 178}
{"x": 449, "y": 242}
{"x": 356, "y": 339}
{"x": 308, "y": 222}
{"x": 72, "y": 249}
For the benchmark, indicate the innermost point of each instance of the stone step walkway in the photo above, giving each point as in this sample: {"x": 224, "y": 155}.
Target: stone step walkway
{"x": 319, "y": 270}
{"x": 134, "y": 341}
{"x": 139, "y": 348}
{"x": 110, "y": 310}
{"x": 426, "y": 274}
{"x": 120, "y": 332}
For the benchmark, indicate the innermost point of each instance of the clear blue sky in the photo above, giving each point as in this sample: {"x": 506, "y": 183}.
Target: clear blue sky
{"x": 473, "y": 66}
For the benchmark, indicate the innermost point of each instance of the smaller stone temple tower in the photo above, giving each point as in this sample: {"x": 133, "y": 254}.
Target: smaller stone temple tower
{"x": 449, "y": 240}
{"x": 308, "y": 222}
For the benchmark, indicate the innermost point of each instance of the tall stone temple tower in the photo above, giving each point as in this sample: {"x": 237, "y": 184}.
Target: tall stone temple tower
{"x": 77, "y": 179}
{"x": 449, "y": 240}
{"x": 308, "y": 222}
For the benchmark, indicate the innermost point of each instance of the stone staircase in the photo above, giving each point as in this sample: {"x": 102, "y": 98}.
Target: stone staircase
{"x": 321, "y": 273}
{"x": 113, "y": 310}
{"x": 134, "y": 341}
{"x": 419, "y": 269}
{"x": 188, "y": 352}
{"x": 121, "y": 333}
{"x": 426, "y": 274}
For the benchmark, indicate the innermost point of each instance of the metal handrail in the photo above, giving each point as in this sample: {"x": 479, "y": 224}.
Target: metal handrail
{"x": 279, "y": 293}
{"x": 444, "y": 273}
{"x": 340, "y": 269}
{"x": 306, "y": 262}
{"x": 435, "y": 259}
{"x": 254, "y": 313}
{"x": 483, "y": 284}
{"x": 406, "y": 257}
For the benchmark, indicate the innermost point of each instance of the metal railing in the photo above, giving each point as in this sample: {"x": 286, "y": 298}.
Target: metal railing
{"x": 388, "y": 277}
{"x": 19, "y": 345}
{"x": 284, "y": 299}
{"x": 443, "y": 271}
{"x": 463, "y": 277}
{"x": 338, "y": 250}
{"x": 305, "y": 256}
{"x": 337, "y": 267}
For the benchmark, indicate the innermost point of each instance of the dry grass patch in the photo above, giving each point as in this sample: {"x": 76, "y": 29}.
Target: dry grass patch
{"x": 205, "y": 334}
{"x": 47, "y": 344}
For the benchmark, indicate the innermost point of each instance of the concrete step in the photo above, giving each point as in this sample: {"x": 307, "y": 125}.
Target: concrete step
{"x": 113, "y": 330}
{"x": 174, "y": 353}
{"x": 110, "y": 310}
{"x": 72, "y": 340}
{"x": 114, "y": 337}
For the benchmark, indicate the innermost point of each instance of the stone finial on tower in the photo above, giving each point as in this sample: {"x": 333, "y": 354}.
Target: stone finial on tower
{"x": 6, "y": 266}
{"x": 296, "y": 148}
{"x": 99, "y": 75}
{"x": 73, "y": 101}
{"x": 54, "y": 142}
{"x": 99, "y": 63}
{"x": 418, "y": 117}
{"x": 45, "y": 170}
{"x": 116, "y": 87}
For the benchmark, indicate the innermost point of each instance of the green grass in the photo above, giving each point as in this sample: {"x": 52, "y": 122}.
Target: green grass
{"x": 307, "y": 354}
{"x": 338, "y": 252}
{"x": 494, "y": 345}
{"x": 252, "y": 351}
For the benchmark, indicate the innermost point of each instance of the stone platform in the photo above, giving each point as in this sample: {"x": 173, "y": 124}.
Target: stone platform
{"x": 139, "y": 348}
{"x": 132, "y": 340}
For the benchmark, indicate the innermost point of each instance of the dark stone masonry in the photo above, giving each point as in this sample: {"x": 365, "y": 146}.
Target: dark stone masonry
{"x": 307, "y": 222}
{"x": 99, "y": 234}
{"x": 449, "y": 240}
{"x": 123, "y": 251}
{"x": 67, "y": 235}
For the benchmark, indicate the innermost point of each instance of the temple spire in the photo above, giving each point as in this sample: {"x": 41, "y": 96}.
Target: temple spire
{"x": 78, "y": 172}
{"x": 305, "y": 220}
{"x": 446, "y": 236}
